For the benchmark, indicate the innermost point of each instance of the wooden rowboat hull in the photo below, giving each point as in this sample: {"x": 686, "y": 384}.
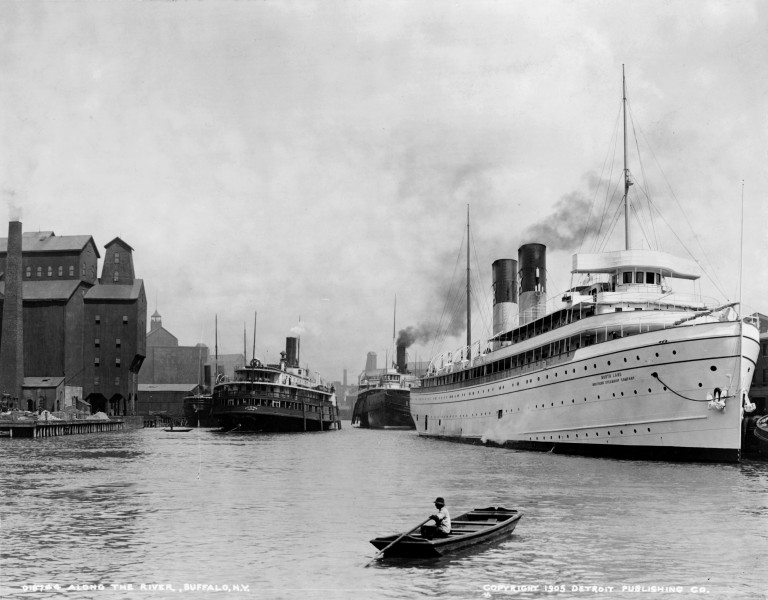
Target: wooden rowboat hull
{"x": 477, "y": 526}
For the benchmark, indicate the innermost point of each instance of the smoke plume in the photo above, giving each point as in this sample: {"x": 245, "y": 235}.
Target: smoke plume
{"x": 569, "y": 224}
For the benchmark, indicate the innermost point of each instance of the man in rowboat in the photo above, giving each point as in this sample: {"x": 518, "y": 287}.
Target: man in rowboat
{"x": 442, "y": 519}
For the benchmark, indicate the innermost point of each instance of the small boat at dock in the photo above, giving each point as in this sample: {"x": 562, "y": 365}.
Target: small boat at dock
{"x": 474, "y": 527}
{"x": 761, "y": 433}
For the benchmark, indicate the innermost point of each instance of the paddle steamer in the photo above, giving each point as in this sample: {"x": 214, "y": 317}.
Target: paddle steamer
{"x": 621, "y": 365}
{"x": 282, "y": 397}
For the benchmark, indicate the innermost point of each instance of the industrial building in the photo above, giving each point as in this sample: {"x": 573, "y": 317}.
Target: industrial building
{"x": 69, "y": 340}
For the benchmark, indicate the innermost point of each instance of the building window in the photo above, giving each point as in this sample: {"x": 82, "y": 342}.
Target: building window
{"x": 125, "y": 319}
{"x": 96, "y": 381}
{"x": 117, "y": 343}
{"x": 117, "y": 362}
{"x": 71, "y": 270}
{"x": 115, "y": 276}
{"x": 50, "y": 271}
{"x": 117, "y": 381}
{"x": 39, "y": 271}
{"x": 98, "y": 319}
{"x": 96, "y": 361}
{"x": 61, "y": 270}
{"x": 117, "y": 258}
{"x": 29, "y": 271}
{"x": 82, "y": 269}
{"x": 97, "y": 342}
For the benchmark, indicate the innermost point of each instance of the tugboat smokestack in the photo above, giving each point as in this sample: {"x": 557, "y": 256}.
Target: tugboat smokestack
{"x": 402, "y": 363}
{"x": 291, "y": 352}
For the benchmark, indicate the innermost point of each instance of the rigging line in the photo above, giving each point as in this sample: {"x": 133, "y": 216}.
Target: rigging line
{"x": 666, "y": 385}
{"x": 646, "y": 190}
{"x": 614, "y": 137}
{"x": 640, "y": 223}
{"x": 674, "y": 233}
{"x": 685, "y": 216}
{"x": 611, "y": 197}
{"x": 482, "y": 306}
{"x": 613, "y": 225}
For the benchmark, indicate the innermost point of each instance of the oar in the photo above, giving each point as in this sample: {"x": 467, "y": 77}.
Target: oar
{"x": 383, "y": 550}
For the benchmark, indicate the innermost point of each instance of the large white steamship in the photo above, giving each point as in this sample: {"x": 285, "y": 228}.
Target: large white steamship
{"x": 622, "y": 365}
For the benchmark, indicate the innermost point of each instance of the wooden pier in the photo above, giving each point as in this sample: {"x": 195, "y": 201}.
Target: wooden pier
{"x": 36, "y": 428}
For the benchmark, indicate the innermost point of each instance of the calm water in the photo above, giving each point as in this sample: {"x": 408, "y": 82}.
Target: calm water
{"x": 290, "y": 516}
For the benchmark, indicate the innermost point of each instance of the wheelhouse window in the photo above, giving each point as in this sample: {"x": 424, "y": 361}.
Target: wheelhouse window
{"x": 640, "y": 277}
{"x": 627, "y": 276}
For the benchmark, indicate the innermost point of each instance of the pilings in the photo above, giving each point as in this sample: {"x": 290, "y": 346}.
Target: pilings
{"x": 19, "y": 429}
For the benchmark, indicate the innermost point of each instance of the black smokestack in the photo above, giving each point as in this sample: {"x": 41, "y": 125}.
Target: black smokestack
{"x": 402, "y": 363}
{"x": 504, "y": 280}
{"x": 12, "y": 344}
{"x": 533, "y": 281}
{"x": 533, "y": 267}
{"x": 504, "y": 293}
{"x": 291, "y": 352}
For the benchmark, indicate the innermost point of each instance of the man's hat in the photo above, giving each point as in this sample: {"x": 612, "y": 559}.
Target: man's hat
{"x": 440, "y": 501}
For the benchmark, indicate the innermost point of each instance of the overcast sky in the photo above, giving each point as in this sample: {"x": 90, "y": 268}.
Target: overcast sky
{"x": 314, "y": 159}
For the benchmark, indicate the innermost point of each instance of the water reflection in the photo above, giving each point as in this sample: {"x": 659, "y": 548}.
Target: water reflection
{"x": 291, "y": 516}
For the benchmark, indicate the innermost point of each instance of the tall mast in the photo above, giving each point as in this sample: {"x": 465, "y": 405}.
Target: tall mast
{"x": 255, "y": 316}
{"x": 627, "y": 183}
{"x": 216, "y": 348}
{"x": 394, "y": 322}
{"x": 469, "y": 307}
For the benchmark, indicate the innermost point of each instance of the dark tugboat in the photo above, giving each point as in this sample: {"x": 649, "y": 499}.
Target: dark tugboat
{"x": 383, "y": 398}
{"x": 281, "y": 397}
{"x": 197, "y": 410}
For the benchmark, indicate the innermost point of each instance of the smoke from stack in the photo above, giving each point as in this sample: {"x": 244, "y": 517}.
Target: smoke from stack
{"x": 569, "y": 224}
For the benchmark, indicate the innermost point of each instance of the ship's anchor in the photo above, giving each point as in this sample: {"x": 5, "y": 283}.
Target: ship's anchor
{"x": 717, "y": 403}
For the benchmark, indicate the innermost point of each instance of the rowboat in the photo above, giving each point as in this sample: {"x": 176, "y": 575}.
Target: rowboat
{"x": 473, "y": 527}
{"x": 761, "y": 433}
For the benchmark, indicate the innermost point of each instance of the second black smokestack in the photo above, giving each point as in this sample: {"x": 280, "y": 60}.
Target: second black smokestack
{"x": 532, "y": 259}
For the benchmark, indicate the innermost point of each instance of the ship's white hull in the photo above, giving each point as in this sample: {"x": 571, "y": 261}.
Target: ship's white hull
{"x": 643, "y": 396}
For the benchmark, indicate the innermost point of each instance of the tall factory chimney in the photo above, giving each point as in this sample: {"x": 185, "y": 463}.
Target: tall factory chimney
{"x": 533, "y": 281}
{"x": 504, "y": 294}
{"x": 12, "y": 344}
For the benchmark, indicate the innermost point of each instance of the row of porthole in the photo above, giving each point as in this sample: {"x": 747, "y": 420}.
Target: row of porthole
{"x": 586, "y": 435}
{"x": 527, "y": 381}
{"x": 573, "y": 400}
{"x": 586, "y": 367}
